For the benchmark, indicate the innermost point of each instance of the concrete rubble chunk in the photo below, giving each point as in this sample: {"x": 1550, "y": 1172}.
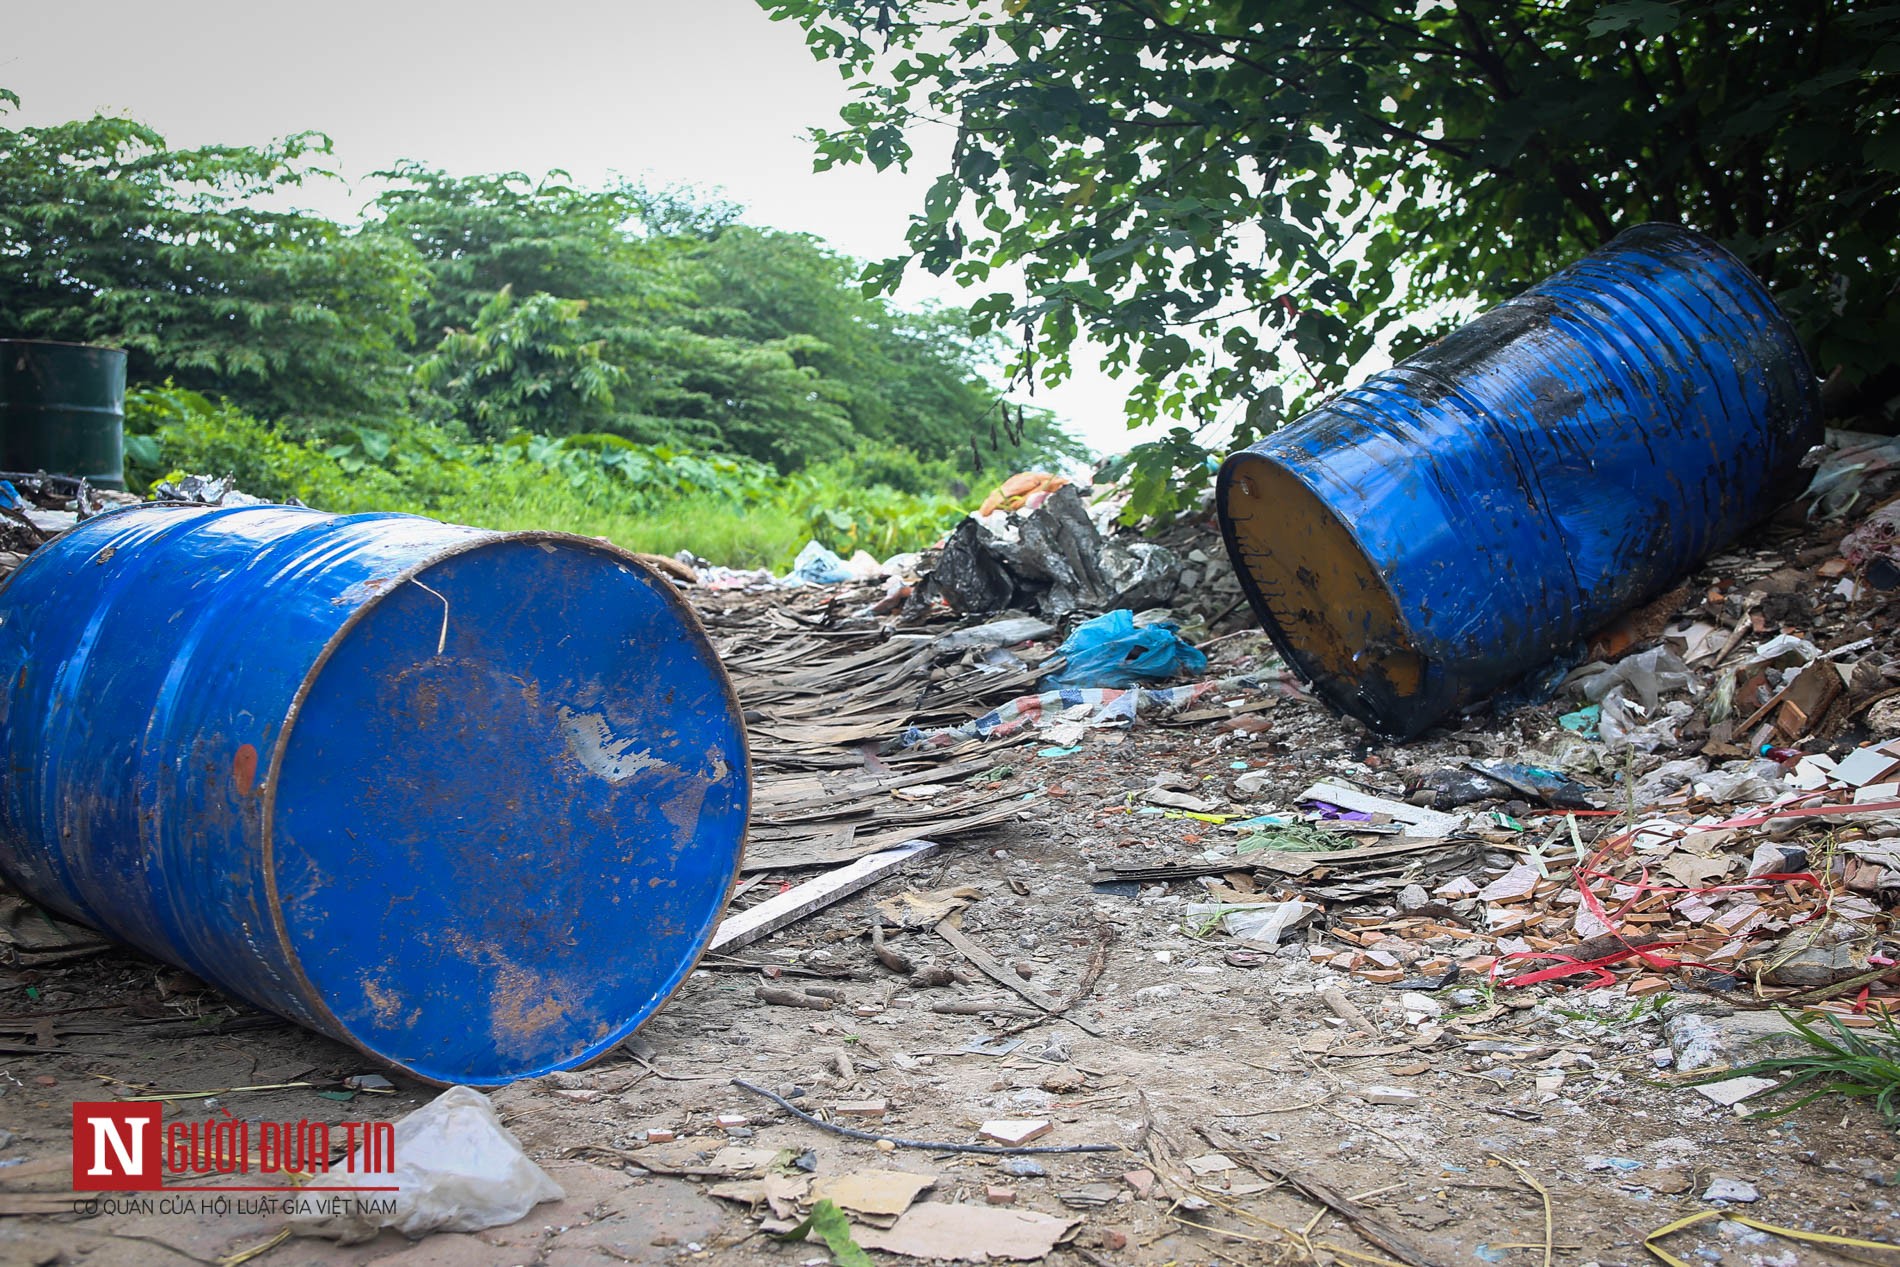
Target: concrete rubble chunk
{"x": 1707, "y": 1039}
{"x": 1732, "y": 1091}
{"x": 1739, "y": 1191}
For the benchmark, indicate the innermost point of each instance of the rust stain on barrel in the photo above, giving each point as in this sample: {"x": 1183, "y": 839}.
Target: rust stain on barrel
{"x": 244, "y": 769}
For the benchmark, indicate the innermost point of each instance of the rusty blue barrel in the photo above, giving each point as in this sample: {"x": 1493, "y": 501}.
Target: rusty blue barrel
{"x": 470, "y": 801}
{"x": 1460, "y": 520}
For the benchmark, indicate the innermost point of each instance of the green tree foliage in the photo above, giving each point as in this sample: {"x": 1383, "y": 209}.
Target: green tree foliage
{"x": 480, "y": 234}
{"x": 493, "y": 306}
{"x": 899, "y": 378}
{"x": 107, "y": 235}
{"x": 528, "y": 365}
{"x": 1237, "y": 194}
{"x": 659, "y": 318}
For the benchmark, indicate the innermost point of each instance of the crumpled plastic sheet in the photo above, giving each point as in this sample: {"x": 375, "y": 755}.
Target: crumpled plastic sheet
{"x": 457, "y": 1170}
{"x": 1877, "y": 539}
{"x": 816, "y": 565}
{"x": 1140, "y": 575}
{"x": 1058, "y": 564}
{"x": 1629, "y": 694}
{"x": 996, "y": 633}
{"x": 1748, "y": 783}
{"x": 724, "y": 578}
{"x": 971, "y": 573}
{"x": 1111, "y": 651}
{"x": 1669, "y": 778}
{"x": 1649, "y": 675}
{"x": 1257, "y": 923}
{"x": 1106, "y": 707}
{"x": 208, "y": 490}
{"x": 1785, "y": 650}
{"x": 1552, "y": 787}
{"x": 1620, "y": 726}
{"x": 1849, "y": 460}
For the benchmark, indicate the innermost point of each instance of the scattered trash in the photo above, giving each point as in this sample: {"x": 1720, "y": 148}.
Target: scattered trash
{"x": 1025, "y": 490}
{"x": 457, "y": 1170}
{"x": 1256, "y": 923}
{"x": 1786, "y": 1233}
{"x": 1084, "y": 710}
{"x": 204, "y": 490}
{"x": 816, "y": 565}
{"x": 996, "y": 633}
{"x": 1549, "y": 786}
{"x": 1414, "y": 820}
{"x": 1058, "y": 563}
{"x": 1111, "y": 652}
{"x": 1487, "y": 925}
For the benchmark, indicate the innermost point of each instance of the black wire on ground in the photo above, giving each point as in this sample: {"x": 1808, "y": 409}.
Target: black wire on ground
{"x": 932, "y": 1146}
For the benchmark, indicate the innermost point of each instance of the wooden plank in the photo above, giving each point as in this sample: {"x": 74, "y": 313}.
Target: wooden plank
{"x": 814, "y": 895}
{"x": 766, "y": 853}
{"x": 1293, "y": 863}
{"x": 1368, "y": 1222}
{"x": 996, "y": 972}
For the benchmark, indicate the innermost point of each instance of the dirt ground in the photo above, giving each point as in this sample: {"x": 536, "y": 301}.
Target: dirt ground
{"x": 1185, "y": 1043}
{"x": 1258, "y": 1106}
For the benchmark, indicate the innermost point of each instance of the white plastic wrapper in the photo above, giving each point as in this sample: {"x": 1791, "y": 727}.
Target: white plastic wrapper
{"x": 458, "y": 1170}
{"x": 1256, "y": 923}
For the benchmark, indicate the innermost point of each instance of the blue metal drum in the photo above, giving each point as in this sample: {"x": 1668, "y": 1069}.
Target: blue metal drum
{"x": 1456, "y": 522}
{"x": 470, "y": 801}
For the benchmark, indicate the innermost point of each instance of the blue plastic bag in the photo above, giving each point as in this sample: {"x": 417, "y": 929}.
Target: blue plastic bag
{"x": 1110, "y": 651}
{"x": 816, "y": 565}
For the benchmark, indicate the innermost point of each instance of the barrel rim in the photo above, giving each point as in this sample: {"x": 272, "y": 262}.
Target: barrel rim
{"x": 306, "y": 989}
{"x": 1328, "y": 690}
{"x": 63, "y": 343}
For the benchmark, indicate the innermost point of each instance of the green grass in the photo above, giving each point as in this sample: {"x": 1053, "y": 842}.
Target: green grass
{"x": 1858, "y": 1063}
{"x": 763, "y": 536}
{"x": 728, "y": 510}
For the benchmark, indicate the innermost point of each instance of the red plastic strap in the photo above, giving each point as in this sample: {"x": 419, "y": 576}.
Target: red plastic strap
{"x": 1806, "y": 811}
{"x": 1588, "y": 870}
{"x": 1568, "y": 966}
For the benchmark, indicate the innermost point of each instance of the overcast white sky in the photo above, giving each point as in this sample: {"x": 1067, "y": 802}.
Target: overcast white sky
{"x": 702, "y": 92}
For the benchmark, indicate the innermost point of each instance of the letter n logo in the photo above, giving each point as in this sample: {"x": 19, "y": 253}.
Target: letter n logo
{"x": 115, "y": 1147}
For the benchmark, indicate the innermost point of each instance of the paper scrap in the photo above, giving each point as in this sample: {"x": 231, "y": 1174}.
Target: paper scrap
{"x": 875, "y": 1192}
{"x": 968, "y": 1233}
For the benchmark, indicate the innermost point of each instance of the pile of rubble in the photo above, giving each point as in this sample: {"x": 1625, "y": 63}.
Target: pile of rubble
{"x": 1710, "y": 800}
{"x": 36, "y": 507}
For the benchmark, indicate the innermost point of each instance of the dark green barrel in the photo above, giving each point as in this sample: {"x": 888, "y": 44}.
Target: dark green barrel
{"x": 62, "y": 410}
